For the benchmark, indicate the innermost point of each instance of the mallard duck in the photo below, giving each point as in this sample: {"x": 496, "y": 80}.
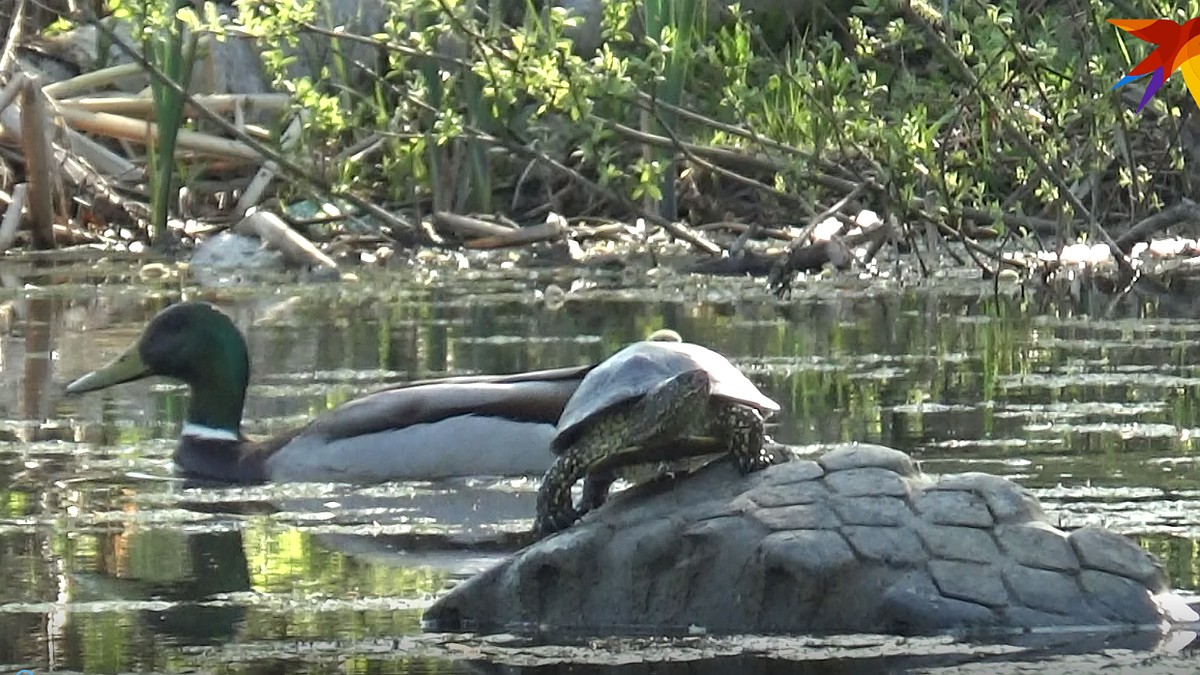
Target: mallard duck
{"x": 433, "y": 429}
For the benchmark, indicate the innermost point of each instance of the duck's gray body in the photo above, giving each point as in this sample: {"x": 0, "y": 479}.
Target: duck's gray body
{"x": 855, "y": 541}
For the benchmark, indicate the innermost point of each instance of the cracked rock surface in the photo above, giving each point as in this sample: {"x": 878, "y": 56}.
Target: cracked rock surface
{"x": 857, "y": 540}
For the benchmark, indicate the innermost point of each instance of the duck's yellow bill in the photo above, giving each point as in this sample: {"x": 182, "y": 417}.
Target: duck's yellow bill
{"x": 125, "y": 368}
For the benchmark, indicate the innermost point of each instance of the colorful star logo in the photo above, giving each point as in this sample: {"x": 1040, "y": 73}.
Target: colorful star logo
{"x": 1178, "y": 49}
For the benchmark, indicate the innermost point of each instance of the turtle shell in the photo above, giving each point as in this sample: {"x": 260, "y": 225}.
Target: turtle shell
{"x": 638, "y": 368}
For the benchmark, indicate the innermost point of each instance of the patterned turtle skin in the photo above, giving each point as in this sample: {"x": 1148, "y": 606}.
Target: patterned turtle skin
{"x": 655, "y": 407}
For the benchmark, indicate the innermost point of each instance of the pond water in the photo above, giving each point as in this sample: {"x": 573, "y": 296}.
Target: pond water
{"x": 110, "y": 565}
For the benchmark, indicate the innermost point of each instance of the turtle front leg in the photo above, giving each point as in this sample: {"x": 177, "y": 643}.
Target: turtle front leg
{"x": 555, "y": 511}
{"x": 743, "y": 427}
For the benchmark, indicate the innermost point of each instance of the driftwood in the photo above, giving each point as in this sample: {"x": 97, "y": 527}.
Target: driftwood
{"x": 745, "y": 263}
{"x": 129, "y": 129}
{"x": 39, "y": 170}
{"x": 82, "y": 150}
{"x": 683, "y": 233}
{"x": 275, "y": 232}
{"x": 467, "y": 227}
{"x": 1184, "y": 211}
{"x": 836, "y": 252}
{"x": 550, "y": 230}
{"x": 769, "y": 232}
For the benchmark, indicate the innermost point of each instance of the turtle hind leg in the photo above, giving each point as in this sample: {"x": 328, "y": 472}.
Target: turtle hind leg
{"x": 595, "y": 490}
{"x": 743, "y": 426}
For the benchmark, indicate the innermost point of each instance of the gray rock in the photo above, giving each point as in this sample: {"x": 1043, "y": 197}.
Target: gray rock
{"x": 868, "y": 481}
{"x": 807, "y": 546}
{"x": 1007, "y": 501}
{"x": 974, "y": 582}
{"x": 1118, "y": 598}
{"x": 892, "y": 546}
{"x": 1103, "y": 550}
{"x": 808, "y": 554}
{"x": 885, "y": 511}
{"x": 1038, "y": 545}
{"x": 915, "y": 605}
{"x": 797, "y": 470}
{"x": 1044, "y": 590}
{"x": 774, "y": 494}
{"x": 859, "y": 455}
{"x": 953, "y": 507}
{"x": 797, "y": 517}
{"x": 952, "y": 542}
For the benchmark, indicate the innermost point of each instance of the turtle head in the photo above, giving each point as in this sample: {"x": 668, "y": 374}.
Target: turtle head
{"x": 664, "y": 335}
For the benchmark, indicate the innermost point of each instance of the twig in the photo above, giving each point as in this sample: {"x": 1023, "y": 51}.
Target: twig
{"x": 818, "y": 218}
{"x": 14, "y": 37}
{"x": 972, "y": 246}
{"x": 93, "y": 80}
{"x": 11, "y": 91}
{"x": 473, "y": 132}
{"x": 646, "y": 100}
{"x": 12, "y": 217}
{"x": 144, "y": 106}
{"x": 258, "y": 185}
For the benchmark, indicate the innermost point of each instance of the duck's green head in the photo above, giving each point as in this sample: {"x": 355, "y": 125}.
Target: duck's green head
{"x": 193, "y": 342}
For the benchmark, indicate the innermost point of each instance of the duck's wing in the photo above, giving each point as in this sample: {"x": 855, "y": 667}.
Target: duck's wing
{"x": 537, "y": 396}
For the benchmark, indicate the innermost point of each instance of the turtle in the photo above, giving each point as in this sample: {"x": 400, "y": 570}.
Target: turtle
{"x": 656, "y": 406}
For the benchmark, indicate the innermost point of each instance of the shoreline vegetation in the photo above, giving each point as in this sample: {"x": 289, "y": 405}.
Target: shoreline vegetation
{"x": 771, "y": 140}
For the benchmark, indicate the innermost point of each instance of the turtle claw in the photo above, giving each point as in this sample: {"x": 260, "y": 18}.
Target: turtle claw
{"x": 770, "y": 454}
{"x": 747, "y": 465}
{"x": 551, "y": 523}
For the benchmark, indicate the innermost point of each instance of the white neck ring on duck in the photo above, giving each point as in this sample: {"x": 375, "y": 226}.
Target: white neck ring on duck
{"x": 193, "y": 430}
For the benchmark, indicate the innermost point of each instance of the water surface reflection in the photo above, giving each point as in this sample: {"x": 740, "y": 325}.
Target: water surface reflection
{"x": 110, "y": 565}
